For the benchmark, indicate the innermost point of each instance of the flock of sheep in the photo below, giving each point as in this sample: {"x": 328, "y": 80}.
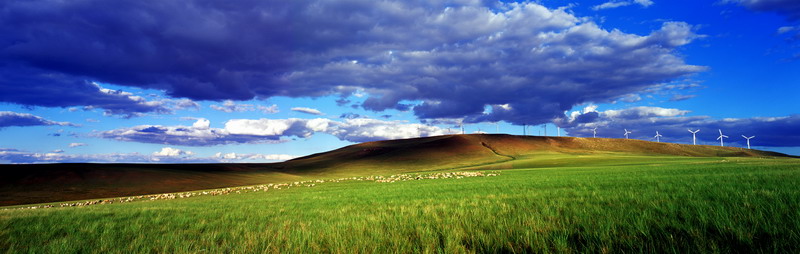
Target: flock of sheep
{"x": 266, "y": 187}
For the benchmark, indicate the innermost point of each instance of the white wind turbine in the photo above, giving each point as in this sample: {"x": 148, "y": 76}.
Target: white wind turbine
{"x": 658, "y": 137}
{"x": 626, "y": 133}
{"x": 748, "y": 140}
{"x": 558, "y": 131}
{"x": 694, "y": 136}
{"x": 721, "y": 137}
{"x": 594, "y": 132}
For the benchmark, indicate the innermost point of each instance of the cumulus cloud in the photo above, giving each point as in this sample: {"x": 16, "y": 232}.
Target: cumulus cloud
{"x": 673, "y": 124}
{"x": 165, "y": 155}
{"x": 307, "y": 110}
{"x": 199, "y": 134}
{"x": 8, "y": 119}
{"x": 615, "y": 4}
{"x": 454, "y": 57}
{"x": 231, "y": 106}
{"x": 172, "y": 152}
{"x": 240, "y": 131}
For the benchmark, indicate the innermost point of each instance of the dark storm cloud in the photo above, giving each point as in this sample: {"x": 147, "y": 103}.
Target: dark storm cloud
{"x": 788, "y": 8}
{"x": 455, "y": 58}
{"x": 673, "y": 124}
{"x": 35, "y": 87}
{"x": 8, "y": 119}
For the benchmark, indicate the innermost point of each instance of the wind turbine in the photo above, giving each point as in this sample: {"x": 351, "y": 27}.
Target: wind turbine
{"x": 748, "y": 140}
{"x": 626, "y": 133}
{"x": 721, "y": 137}
{"x": 558, "y": 131}
{"x": 694, "y": 137}
{"x": 657, "y": 137}
{"x": 594, "y": 132}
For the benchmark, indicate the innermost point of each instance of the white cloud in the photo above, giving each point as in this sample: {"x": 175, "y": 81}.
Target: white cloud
{"x": 261, "y": 127}
{"x": 230, "y": 106}
{"x": 71, "y": 145}
{"x": 202, "y": 124}
{"x": 639, "y": 112}
{"x": 232, "y": 157}
{"x": 268, "y": 109}
{"x": 616, "y": 4}
{"x": 165, "y": 155}
{"x": 172, "y": 152}
{"x": 785, "y": 29}
{"x": 644, "y": 3}
{"x": 307, "y": 110}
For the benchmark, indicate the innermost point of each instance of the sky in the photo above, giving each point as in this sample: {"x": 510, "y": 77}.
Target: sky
{"x": 263, "y": 81}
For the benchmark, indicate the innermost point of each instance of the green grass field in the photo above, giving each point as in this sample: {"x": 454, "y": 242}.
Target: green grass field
{"x": 601, "y": 203}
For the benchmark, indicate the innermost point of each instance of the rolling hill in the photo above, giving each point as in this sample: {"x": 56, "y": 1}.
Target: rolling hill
{"x": 23, "y": 184}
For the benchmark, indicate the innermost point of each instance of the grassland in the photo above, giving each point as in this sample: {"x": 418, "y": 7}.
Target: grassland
{"x": 27, "y": 184}
{"x": 547, "y": 202}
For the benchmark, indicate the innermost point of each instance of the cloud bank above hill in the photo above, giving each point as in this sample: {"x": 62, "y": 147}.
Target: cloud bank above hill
{"x": 673, "y": 124}
{"x": 450, "y": 59}
{"x": 251, "y": 131}
{"x": 165, "y": 155}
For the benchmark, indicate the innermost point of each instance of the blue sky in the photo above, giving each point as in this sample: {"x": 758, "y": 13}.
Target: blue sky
{"x": 260, "y": 81}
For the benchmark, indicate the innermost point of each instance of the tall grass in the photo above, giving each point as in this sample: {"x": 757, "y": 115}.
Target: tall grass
{"x": 685, "y": 206}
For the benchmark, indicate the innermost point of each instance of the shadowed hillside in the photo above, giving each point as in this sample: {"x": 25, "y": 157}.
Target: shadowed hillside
{"x": 21, "y": 184}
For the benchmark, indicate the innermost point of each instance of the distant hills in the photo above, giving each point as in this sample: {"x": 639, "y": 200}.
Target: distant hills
{"x": 452, "y": 151}
{"x": 22, "y": 184}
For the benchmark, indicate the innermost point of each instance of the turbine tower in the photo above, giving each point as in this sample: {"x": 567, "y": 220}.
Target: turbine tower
{"x": 748, "y": 140}
{"x": 626, "y": 133}
{"x": 694, "y": 137}
{"x": 558, "y": 131}
{"x": 594, "y": 132}
{"x": 658, "y": 137}
{"x": 721, "y": 137}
